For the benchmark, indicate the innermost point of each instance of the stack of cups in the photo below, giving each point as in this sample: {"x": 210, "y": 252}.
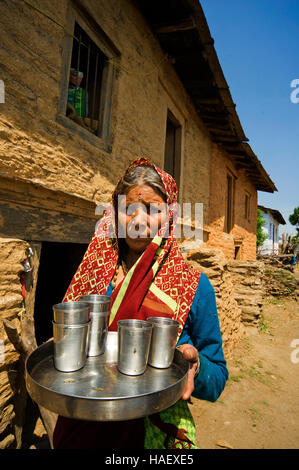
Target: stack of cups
{"x": 99, "y": 317}
{"x": 70, "y": 332}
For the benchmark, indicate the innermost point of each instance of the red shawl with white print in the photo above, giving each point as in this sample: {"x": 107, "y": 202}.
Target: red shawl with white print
{"x": 159, "y": 284}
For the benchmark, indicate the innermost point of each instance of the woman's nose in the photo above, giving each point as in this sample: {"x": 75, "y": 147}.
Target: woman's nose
{"x": 138, "y": 222}
{"x": 140, "y": 217}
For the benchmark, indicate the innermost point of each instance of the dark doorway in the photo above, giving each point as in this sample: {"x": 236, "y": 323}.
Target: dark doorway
{"x": 58, "y": 264}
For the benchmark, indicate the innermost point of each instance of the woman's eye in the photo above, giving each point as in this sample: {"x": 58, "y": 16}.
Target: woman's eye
{"x": 155, "y": 210}
{"x": 131, "y": 209}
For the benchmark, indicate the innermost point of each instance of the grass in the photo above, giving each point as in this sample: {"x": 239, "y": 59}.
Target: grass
{"x": 235, "y": 378}
{"x": 274, "y": 301}
{"x": 262, "y": 402}
{"x": 254, "y": 413}
{"x": 263, "y": 324}
{"x": 255, "y": 371}
{"x": 280, "y": 274}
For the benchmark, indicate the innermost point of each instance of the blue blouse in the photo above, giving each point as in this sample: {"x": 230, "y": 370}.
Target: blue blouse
{"x": 202, "y": 330}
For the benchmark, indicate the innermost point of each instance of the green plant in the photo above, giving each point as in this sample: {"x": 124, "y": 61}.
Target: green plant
{"x": 261, "y": 236}
{"x": 294, "y": 219}
{"x": 236, "y": 378}
{"x": 254, "y": 413}
{"x": 263, "y": 326}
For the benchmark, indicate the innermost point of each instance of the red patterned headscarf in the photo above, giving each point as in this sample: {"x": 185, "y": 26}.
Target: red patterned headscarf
{"x": 159, "y": 284}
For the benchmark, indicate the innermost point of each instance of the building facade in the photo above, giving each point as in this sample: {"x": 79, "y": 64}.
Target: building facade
{"x": 272, "y": 219}
{"x": 150, "y": 84}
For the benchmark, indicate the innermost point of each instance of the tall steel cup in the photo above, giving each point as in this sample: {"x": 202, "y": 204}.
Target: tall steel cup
{"x": 70, "y": 346}
{"x": 134, "y": 338}
{"x": 163, "y": 342}
{"x": 99, "y": 316}
{"x": 71, "y": 313}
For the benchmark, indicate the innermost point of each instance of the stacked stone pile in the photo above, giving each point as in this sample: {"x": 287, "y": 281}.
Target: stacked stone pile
{"x": 280, "y": 283}
{"x": 12, "y": 255}
{"x": 248, "y": 283}
{"x": 213, "y": 263}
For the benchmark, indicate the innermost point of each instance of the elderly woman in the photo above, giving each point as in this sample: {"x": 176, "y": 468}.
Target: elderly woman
{"x": 134, "y": 258}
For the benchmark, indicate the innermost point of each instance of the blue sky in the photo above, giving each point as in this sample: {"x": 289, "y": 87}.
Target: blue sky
{"x": 257, "y": 43}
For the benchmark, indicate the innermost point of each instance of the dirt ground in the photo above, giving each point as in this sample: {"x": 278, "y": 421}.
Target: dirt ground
{"x": 259, "y": 407}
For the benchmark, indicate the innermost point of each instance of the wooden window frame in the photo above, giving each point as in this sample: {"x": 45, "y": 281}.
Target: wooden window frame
{"x": 230, "y": 203}
{"x": 247, "y": 206}
{"x": 76, "y": 14}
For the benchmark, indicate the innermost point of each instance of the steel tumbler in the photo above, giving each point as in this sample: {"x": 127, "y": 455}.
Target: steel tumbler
{"x": 99, "y": 316}
{"x": 163, "y": 342}
{"x": 70, "y": 346}
{"x": 134, "y": 338}
{"x": 71, "y": 313}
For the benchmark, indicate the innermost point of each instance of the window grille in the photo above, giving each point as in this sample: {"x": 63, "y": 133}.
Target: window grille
{"x": 85, "y": 82}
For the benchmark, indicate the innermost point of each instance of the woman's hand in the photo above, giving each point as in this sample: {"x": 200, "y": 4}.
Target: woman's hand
{"x": 191, "y": 354}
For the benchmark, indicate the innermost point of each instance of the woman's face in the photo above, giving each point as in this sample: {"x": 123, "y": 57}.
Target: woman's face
{"x": 141, "y": 212}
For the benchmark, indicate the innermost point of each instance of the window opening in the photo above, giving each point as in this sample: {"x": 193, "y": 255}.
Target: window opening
{"x": 172, "y": 155}
{"x": 237, "y": 252}
{"x": 247, "y": 206}
{"x": 85, "y": 82}
{"x": 230, "y": 185}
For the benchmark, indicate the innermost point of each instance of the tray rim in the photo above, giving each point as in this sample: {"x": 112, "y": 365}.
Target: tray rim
{"x": 50, "y": 343}
{"x": 37, "y": 384}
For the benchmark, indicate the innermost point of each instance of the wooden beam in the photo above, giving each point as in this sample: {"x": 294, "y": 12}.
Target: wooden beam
{"x": 25, "y": 192}
{"x": 195, "y": 84}
{"x": 219, "y": 130}
{"x": 208, "y": 101}
{"x": 32, "y": 212}
{"x": 43, "y": 225}
{"x": 223, "y": 139}
{"x": 184, "y": 24}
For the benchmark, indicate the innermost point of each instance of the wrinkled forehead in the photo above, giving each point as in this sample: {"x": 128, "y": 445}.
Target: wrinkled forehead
{"x": 168, "y": 181}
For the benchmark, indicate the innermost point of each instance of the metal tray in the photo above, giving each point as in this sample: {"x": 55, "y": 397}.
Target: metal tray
{"x": 98, "y": 391}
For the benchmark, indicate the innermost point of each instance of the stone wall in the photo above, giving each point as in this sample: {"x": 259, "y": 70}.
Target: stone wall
{"x": 12, "y": 254}
{"x": 213, "y": 263}
{"x": 238, "y": 288}
{"x": 247, "y": 277}
{"x": 36, "y": 146}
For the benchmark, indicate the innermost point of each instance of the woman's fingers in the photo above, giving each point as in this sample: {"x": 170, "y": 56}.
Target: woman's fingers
{"x": 191, "y": 354}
